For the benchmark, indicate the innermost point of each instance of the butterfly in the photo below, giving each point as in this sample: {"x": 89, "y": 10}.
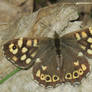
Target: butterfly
{"x": 54, "y": 60}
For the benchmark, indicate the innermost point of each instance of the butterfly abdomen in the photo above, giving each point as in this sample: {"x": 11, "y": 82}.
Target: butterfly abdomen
{"x": 57, "y": 43}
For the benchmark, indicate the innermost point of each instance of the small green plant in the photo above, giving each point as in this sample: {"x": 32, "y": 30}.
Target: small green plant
{"x": 9, "y": 75}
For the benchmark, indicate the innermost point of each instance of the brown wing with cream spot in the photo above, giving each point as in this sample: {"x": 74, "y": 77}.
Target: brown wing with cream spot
{"x": 75, "y": 65}
{"x": 81, "y": 40}
{"x": 47, "y": 72}
{"x": 75, "y": 47}
{"x": 23, "y": 51}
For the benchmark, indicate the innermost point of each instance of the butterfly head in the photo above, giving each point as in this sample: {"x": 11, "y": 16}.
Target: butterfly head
{"x": 56, "y": 36}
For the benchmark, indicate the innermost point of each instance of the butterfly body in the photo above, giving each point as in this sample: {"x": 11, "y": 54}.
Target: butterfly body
{"x": 62, "y": 59}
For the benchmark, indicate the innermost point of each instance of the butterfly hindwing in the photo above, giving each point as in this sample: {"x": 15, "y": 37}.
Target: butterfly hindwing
{"x": 75, "y": 64}
{"x": 47, "y": 72}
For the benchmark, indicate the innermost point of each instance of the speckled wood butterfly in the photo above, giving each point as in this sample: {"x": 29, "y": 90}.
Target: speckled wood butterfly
{"x": 61, "y": 59}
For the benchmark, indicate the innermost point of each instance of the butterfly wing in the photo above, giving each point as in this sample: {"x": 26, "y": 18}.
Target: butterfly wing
{"x": 74, "y": 49}
{"x": 23, "y": 52}
{"x": 75, "y": 64}
{"x": 81, "y": 40}
{"x": 48, "y": 72}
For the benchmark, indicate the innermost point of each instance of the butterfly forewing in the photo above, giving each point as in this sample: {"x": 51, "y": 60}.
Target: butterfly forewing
{"x": 22, "y": 51}
{"x": 81, "y": 40}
